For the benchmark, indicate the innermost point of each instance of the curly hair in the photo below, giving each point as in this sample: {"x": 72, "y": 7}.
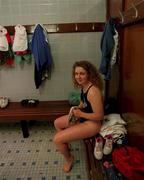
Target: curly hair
{"x": 93, "y": 74}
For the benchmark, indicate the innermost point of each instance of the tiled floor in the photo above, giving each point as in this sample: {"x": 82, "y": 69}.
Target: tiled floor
{"x": 36, "y": 157}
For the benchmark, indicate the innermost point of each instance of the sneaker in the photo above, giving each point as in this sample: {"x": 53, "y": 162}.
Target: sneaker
{"x": 29, "y": 102}
{"x": 3, "y": 102}
{"x": 98, "y": 149}
{"x": 108, "y": 144}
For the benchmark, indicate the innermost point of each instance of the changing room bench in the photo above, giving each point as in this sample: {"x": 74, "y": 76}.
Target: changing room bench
{"x": 44, "y": 111}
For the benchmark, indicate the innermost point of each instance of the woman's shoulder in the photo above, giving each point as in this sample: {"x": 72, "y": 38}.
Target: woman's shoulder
{"x": 94, "y": 94}
{"x": 94, "y": 90}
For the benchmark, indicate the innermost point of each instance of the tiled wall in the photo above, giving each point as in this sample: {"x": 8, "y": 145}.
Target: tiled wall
{"x": 18, "y": 83}
{"x": 50, "y": 11}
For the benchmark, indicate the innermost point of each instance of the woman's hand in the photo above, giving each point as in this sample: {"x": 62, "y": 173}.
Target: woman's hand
{"x": 77, "y": 112}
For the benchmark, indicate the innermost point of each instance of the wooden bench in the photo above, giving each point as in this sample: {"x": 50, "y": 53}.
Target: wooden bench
{"x": 95, "y": 166}
{"x": 44, "y": 111}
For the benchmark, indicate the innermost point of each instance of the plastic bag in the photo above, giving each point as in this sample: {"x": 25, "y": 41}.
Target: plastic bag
{"x": 74, "y": 98}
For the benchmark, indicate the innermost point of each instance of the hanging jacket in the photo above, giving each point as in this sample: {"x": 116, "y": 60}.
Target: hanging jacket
{"x": 107, "y": 45}
{"x": 42, "y": 55}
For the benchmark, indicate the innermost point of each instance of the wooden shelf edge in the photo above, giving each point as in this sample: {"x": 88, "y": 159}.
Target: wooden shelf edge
{"x": 64, "y": 28}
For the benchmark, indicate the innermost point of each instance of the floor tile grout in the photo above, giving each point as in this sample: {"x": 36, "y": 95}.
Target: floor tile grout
{"x": 36, "y": 157}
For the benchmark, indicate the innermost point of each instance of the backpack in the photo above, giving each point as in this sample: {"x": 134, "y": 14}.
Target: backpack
{"x": 129, "y": 161}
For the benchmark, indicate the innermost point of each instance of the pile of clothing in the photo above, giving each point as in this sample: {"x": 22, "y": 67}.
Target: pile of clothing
{"x": 112, "y": 131}
{"x": 6, "y": 53}
{"x": 115, "y": 125}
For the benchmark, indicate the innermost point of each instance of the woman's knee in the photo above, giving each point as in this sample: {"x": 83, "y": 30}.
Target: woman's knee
{"x": 56, "y": 123}
{"x": 61, "y": 123}
{"x": 57, "y": 139}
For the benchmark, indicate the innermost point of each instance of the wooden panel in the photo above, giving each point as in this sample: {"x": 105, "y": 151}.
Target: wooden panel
{"x": 64, "y": 28}
{"x": 95, "y": 166}
{"x": 126, "y": 12}
{"x": 128, "y": 3}
{"x": 45, "y": 110}
{"x": 134, "y": 14}
{"x": 132, "y": 89}
{"x": 113, "y": 7}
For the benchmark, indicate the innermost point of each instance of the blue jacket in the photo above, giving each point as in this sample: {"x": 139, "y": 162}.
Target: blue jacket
{"x": 41, "y": 52}
{"x": 107, "y": 45}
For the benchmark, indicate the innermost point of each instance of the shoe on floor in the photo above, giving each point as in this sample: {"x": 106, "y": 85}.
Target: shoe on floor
{"x": 108, "y": 146}
{"x": 98, "y": 149}
{"x": 3, "y": 102}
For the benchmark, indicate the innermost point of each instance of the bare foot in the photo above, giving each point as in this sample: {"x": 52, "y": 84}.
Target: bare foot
{"x": 68, "y": 165}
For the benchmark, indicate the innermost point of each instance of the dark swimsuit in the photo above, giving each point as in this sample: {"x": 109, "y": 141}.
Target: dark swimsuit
{"x": 86, "y": 104}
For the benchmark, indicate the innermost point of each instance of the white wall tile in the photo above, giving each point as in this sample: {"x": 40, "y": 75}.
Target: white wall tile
{"x": 17, "y": 83}
{"x": 55, "y": 11}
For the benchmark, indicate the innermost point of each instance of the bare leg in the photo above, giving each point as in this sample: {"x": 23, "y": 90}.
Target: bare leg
{"x": 60, "y": 124}
{"x": 75, "y": 132}
{"x": 63, "y": 148}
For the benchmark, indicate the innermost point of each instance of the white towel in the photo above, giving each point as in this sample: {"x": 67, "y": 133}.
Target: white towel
{"x": 115, "y": 125}
{"x": 3, "y": 39}
{"x": 20, "y": 39}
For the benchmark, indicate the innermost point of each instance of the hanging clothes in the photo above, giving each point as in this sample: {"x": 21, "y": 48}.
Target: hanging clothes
{"x": 20, "y": 39}
{"x": 115, "y": 49}
{"x": 108, "y": 47}
{"x": 3, "y": 39}
{"x": 6, "y": 53}
{"x": 41, "y": 51}
{"x": 20, "y": 45}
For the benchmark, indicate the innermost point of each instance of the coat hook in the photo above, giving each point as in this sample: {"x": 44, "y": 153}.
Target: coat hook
{"x": 57, "y": 28}
{"x": 76, "y": 27}
{"x": 93, "y": 26}
{"x": 136, "y": 11}
{"x": 122, "y": 17}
